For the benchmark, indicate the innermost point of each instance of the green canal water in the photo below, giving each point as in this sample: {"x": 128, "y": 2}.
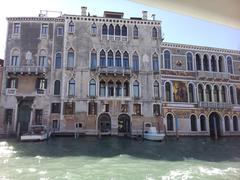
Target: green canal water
{"x": 113, "y": 158}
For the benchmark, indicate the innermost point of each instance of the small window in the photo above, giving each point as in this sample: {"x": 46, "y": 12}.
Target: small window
{"x": 117, "y": 30}
{"x": 44, "y": 30}
{"x": 93, "y": 64}
{"x": 191, "y": 93}
{"x": 70, "y": 58}
{"x": 16, "y": 28}
{"x": 57, "y": 87}
{"x": 110, "y": 88}
{"x": 118, "y": 60}
{"x": 92, "y": 88}
{"x": 94, "y": 29}
{"x": 55, "y": 125}
{"x": 168, "y": 92}
{"x": 227, "y": 123}
{"x": 167, "y": 60}
{"x": 104, "y": 29}
{"x": 135, "y": 32}
{"x": 124, "y": 30}
{"x": 42, "y": 59}
{"x": 58, "y": 61}
{"x": 8, "y": 116}
{"x": 71, "y": 88}
{"x": 56, "y": 107}
{"x": 126, "y": 89}
{"x": 118, "y": 89}
{"x": 41, "y": 84}
{"x": 189, "y": 61}
{"x": 125, "y": 60}
{"x": 124, "y": 108}
{"x": 110, "y": 59}
{"x": 137, "y": 109}
{"x": 154, "y": 33}
{"x": 102, "y": 59}
{"x": 59, "y": 31}
{"x": 15, "y": 57}
{"x": 156, "y": 110}
{"x": 12, "y": 83}
{"x": 203, "y": 123}
{"x": 111, "y": 30}
{"x": 38, "y": 116}
{"x": 170, "y": 122}
{"x": 230, "y": 64}
{"x": 235, "y": 123}
{"x": 106, "y": 107}
{"x": 156, "y": 89}
{"x": 69, "y": 108}
{"x": 193, "y": 123}
{"x": 135, "y": 59}
{"x": 155, "y": 62}
{"x": 136, "y": 92}
{"x": 102, "y": 89}
{"x": 71, "y": 27}
{"x": 92, "y": 108}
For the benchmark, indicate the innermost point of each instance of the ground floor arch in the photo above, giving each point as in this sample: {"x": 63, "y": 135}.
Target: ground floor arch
{"x": 104, "y": 123}
{"x": 124, "y": 124}
{"x": 215, "y": 127}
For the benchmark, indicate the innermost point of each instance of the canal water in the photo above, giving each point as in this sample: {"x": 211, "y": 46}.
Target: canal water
{"x": 113, "y": 158}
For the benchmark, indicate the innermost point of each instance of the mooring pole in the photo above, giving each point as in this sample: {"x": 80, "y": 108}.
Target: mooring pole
{"x": 176, "y": 122}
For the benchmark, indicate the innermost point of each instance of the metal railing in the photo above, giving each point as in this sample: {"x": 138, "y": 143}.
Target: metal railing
{"x": 217, "y": 105}
{"x": 26, "y": 69}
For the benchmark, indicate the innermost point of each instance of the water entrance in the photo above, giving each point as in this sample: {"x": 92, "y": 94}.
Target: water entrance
{"x": 214, "y": 124}
{"x": 124, "y": 124}
{"x": 104, "y": 123}
{"x": 24, "y": 114}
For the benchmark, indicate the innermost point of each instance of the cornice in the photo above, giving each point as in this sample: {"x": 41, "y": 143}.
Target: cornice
{"x": 57, "y": 19}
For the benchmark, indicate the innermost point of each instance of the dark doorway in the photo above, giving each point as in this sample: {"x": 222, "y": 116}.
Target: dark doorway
{"x": 124, "y": 124}
{"x": 214, "y": 124}
{"x": 104, "y": 123}
{"x": 24, "y": 114}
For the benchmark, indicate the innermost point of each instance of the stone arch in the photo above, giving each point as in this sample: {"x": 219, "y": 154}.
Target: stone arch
{"x": 104, "y": 123}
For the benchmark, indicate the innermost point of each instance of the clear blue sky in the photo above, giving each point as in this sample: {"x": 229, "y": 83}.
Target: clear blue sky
{"x": 177, "y": 28}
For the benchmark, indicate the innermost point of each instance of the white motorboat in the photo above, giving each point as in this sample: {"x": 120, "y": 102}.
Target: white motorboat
{"x": 153, "y": 135}
{"x": 36, "y": 133}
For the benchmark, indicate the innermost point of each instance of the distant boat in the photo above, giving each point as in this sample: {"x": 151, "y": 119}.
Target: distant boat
{"x": 36, "y": 133}
{"x": 153, "y": 135}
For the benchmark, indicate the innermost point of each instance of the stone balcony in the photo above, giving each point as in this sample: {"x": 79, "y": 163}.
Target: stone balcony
{"x": 215, "y": 105}
{"x": 114, "y": 70}
{"x": 15, "y": 92}
{"x": 26, "y": 69}
{"x": 207, "y": 75}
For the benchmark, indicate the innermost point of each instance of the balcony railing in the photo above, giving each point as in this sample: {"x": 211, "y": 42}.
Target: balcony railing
{"x": 26, "y": 69}
{"x": 213, "y": 75}
{"x": 216, "y": 105}
{"x": 114, "y": 70}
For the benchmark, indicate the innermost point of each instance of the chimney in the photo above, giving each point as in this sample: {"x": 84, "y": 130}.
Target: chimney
{"x": 84, "y": 10}
{"x": 145, "y": 14}
{"x": 153, "y": 16}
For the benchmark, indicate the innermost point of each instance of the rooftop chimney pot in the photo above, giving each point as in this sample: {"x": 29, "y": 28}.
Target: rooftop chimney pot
{"x": 84, "y": 11}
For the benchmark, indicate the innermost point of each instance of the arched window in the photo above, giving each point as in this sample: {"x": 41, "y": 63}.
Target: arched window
{"x": 193, "y": 123}
{"x": 135, "y": 59}
{"x": 102, "y": 91}
{"x": 15, "y": 57}
{"x": 155, "y": 62}
{"x": 70, "y": 58}
{"x": 203, "y": 123}
{"x": 102, "y": 59}
{"x": 227, "y": 123}
{"x": 58, "y": 61}
{"x": 170, "y": 122}
{"x": 136, "y": 92}
{"x": 223, "y": 94}
{"x": 191, "y": 93}
{"x": 104, "y": 29}
{"x": 220, "y": 64}
{"x": 71, "y": 87}
{"x": 71, "y": 27}
{"x": 118, "y": 88}
{"x": 198, "y": 62}
{"x": 92, "y": 88}
{"x": 93, "y": 59}
{"x": 57, "y": 87}
{"x": 124, "y": 30}
{"x": 238, "y": 95}
{"x": 111, "y": 30}
{"x": 110, "y": 88}
{"x": 214, "y": 64}
{"x": 189, "y": 61}
{"x": 216, "y": 94}
{"x": 118, "y": 60}
{"x": 235, "y": 123}
{"x": 205, "y": 63}
{"x": 167, "y": 59}
{"x": 229, "y": 65}
{"x": 154, "y": 32}
{"x": 168, "y": 91}
{"x": 126, "y": 88}
{"x": 94, "y": 29}
{"x": 117, "y": 30}
{"x": 125, "y": 60}
{"x": 208, "y": 93}
{"x": 135, "y": 32}
{"x": 110, "y": 58}
{"x": 200, "y": 93}
{"x": 156, "y": 89}
{"x": 232, "y": 94}
{"x": 42, "y": 59}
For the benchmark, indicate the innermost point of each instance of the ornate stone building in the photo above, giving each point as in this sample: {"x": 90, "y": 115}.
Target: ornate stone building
{"x": 115, "y": 75}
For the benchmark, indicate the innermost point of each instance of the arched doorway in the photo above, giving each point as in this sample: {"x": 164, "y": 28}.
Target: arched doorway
{"x": 124, "y": 125}
{"x": 214, "y": 124}
{"x": 104, "y": 123}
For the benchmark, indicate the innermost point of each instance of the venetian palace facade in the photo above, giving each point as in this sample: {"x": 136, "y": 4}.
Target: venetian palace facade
{"x": 115, "y": 75}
